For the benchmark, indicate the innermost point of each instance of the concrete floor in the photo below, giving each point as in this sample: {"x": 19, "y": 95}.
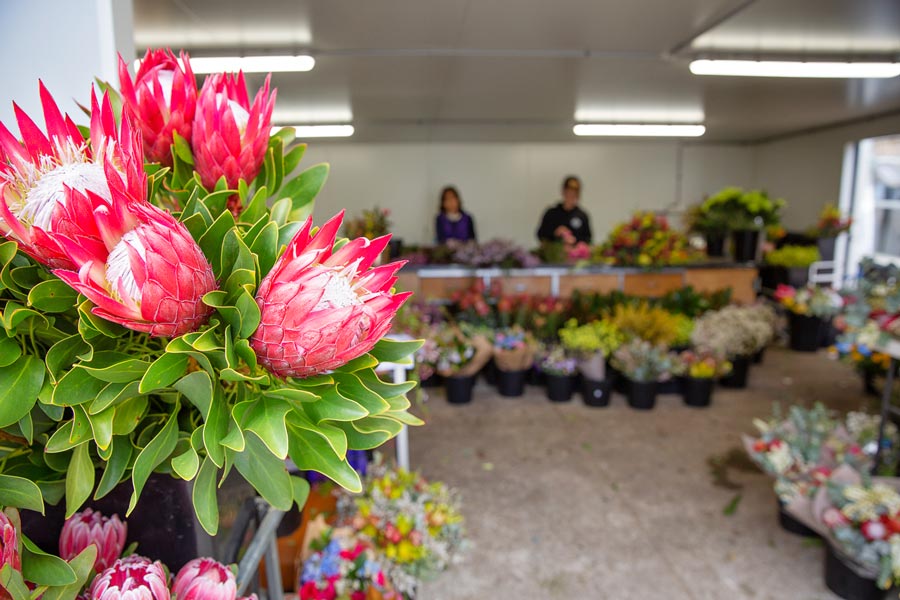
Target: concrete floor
{"x": 567, "y": 501}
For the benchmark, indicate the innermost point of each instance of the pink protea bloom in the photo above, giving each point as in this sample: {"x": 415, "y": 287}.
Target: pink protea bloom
{"x": 37, "y": 173}
{"x": 230, "y": 136}
{"x": 204, "y": 579}
{"x": 92, "y": 528}
{"x": 143, "y": 271}
{"x": 132, "y": 578}
{"x": 9, "y": 544}
{"x": 162, "y": 99}
{"x": 321, "y": 309}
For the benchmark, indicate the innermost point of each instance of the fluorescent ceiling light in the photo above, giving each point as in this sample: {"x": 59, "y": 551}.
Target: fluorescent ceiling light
{"x": 648, "y": 130}
{"x": 774, "y": 68}
{"x": 320, "y": 131}
{"x": 249, "y": 64}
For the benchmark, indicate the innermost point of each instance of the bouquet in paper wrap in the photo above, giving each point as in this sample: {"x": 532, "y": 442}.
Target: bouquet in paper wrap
{"x": 169, "y": 307}
{"x": 514, "y": 349}
{"x": 462, "y": 351}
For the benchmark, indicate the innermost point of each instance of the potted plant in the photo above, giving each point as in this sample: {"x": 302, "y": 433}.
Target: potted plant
{"x": 788, "y": 265}
{"x": 513, "y": 355}
{"x": 713, "y": 225}
{"x": 869, "y": 364}
{"x": 736, "y": 332}
{"x": 644, "y": 365}
{"x": 461, "y": 355}
{"x": 831, "y": 224}
{"x": 747, "y": 212}
{"x": 591, "y": 344}
{"x": 699, "y": 372}
{"x": 810, "y": 310}
{"x": 559, "y": 369}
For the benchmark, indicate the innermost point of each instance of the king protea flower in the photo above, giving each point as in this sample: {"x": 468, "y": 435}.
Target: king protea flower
{"x": 144, "y": 271}
{"x": 162, "y": 98}
{"x": 230, "y": 135}
{"x": 132, "y": 578}
{"x": 36, "y": 173}
{"x": 92, "y": 528}
{"x": 9, "y": 543}
{"x": 204, "y": 579}
{"x": 321, "y": 309}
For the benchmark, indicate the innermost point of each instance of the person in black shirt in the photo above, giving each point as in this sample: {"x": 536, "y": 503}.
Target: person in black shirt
{"x": 566, "y": 222}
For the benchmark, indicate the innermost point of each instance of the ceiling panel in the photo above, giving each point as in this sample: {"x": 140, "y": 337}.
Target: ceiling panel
{"x": 516, "y": 70}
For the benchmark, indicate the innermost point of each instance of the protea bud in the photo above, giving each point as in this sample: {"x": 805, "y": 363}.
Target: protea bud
{"x": 132, "y": 578}
{"x": 204, "y": 579}
{"x": 230, "y": 136}
{"x": 321, "y": 309}
{"x": 9, "y": 543}
{"x": 162, "y": 98}
{"x": 144, "y": 271}
{"x": 88, "y": 527}
{"x": 36, "y": 174}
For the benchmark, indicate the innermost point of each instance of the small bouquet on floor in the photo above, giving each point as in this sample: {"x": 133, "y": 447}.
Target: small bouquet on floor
{"x": 555, "y": 361}
{"x": 734, "y": 331}
{"x": 641, "y": 361}
{"x": 514, "y": 349}
{"x": 591, "y": 343}
{"x": 700, "y": 365}
{"x": 415, "y": 524}
{"x": 461, "y": 351}
{"x": 342, "y": 565}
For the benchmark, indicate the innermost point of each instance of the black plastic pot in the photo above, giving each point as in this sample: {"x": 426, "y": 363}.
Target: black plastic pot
{"x": 740, "y": 371}
{"x": 869, "y": 387}
{"x": 827, "y": 334}
{"x": 792, "y": 525}
{"x": 843, "y": 581}
{"x": 596, "y": 393}
{"x": 511, "y": 383}
{"x": 670, "y": 386}
{"x": 459, "y": 389}
{"x": 642, "y": 394}
{"x": 162, "y": 524}
{"x": 715, "y": 244}
{"x": 805, "y": 331}
{"x": 744, "y": 243}
{"x": 560, "y": 387}
{"x": 697, "y": 391}
{"x": 826, "y": 247}
{"x": 489, "y": 372}
{"x": 759, "y": 356}
{"x": 536, "y": 377}
{"x": 797, "y": 276}
{"x": 434, "y": 381}
{"x": 770, "y": 277}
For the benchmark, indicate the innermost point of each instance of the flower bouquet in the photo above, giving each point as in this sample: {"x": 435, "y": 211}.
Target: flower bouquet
{"x": 461, "y": 353}
{"x": 868, "y": 363}
{"x": 592, "y": 343}
{"x": 171, "y": 314}
{"x": 810, "y": 311}
{"x": 343, "y": 565}
{"x": 831, "y": 224}
{"x": 644, "y": 365}
{"x": 699, "y": 372}
{"x": 736, "y": 332}
{"x": 514, "y": 351}
{"x": 560, "y": 370}
{"x": 493, "y": 253}
{"x": 414, "y": 524}
{"x": 645, "y": 241}
{"x": 646, "y": 322}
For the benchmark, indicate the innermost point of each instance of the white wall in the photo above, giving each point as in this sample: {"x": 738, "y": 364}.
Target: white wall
{"x": 507, "y": 186}
{"x": 65, "y": 43}
{"x": 806, "y": 170}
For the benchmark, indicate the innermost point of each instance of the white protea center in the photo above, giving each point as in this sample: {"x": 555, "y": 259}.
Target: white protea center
{"x": 241, "y": 116}
{"x": 39, "y": 188}
{"x": 119, "y": 276}
{"x": 339, "y": 289}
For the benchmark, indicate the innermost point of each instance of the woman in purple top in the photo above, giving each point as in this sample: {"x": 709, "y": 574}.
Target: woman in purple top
{"x": 453, "y": 223}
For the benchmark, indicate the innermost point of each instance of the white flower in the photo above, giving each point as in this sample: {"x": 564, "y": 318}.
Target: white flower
{"x": 780, "y": 458}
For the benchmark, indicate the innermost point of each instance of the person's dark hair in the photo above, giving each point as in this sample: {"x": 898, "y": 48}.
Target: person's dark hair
{"x": 447, "y": 190}
{"x": 571, "y": 182}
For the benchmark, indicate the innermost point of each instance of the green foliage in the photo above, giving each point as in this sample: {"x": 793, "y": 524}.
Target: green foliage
{"x": 741, "y": 209}
{"x": 793, "y": 256}
{"x": 87, "y": 404}
{"x": 590, "y": 338}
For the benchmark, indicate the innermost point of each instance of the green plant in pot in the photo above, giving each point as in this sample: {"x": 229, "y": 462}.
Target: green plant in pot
{"x": 747, "y": 212}
{"x": 713, "y": 225}
{"x": 645, "y": 365}
{"x": 794, "y": 262}
{"x": 591, "y": 344}
{"x": 179, "y": 320}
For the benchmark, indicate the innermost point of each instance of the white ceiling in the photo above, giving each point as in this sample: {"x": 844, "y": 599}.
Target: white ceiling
{"x": 510, "y": 70}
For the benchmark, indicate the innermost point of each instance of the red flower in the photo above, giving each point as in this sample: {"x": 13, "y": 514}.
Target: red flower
{"x": 874, "y": 530}
{"x": 92, "y": 528}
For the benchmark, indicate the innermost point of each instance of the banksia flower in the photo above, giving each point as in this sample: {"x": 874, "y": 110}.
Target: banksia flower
{"x": 204, "y": 579}
{"x": 321, "y": 309}
{"x": 92, "y": 528}
{"x": 230, "y": 136}
{"x": 36, "y": 174}
{"x": 132, "y": 578}
{"x": 162, "y": 99}
{"x": 143, "y": 270}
